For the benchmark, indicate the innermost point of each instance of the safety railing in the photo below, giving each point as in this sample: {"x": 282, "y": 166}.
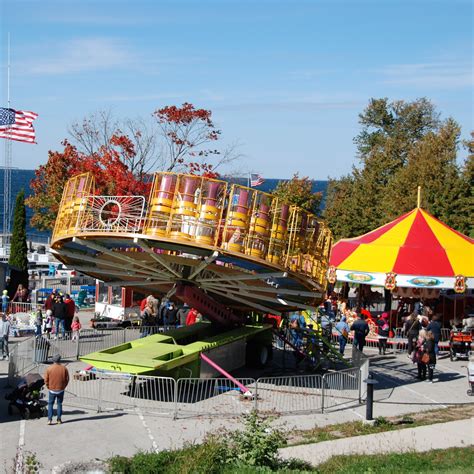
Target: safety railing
{"x": 71, "y": 345}
{"x": 292, "y": 394}
{"x": 162, "y": 396}
{"x": 219, "y": 397}
{"x": 341, "y": 388}
{"x": 17, "y": 307}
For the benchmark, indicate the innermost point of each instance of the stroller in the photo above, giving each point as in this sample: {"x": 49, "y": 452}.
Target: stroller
{"x": 26, "y": 397}
{"x": 460, "y": 344}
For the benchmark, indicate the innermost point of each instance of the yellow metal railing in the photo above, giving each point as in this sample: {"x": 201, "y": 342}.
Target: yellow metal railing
{"x": 208, "y": 213}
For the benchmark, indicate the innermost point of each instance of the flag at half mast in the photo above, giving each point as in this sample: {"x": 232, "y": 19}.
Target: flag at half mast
{"x": 256, "y": 180}
{"x": 17, "y": 125}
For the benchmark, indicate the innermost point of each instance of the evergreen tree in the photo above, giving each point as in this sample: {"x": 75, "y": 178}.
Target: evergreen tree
{"x": 19, "y": 248}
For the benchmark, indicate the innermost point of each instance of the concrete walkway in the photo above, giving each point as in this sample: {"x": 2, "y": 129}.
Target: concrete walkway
{"x": 86, "y": 434}
{"x": 423, "y": 438}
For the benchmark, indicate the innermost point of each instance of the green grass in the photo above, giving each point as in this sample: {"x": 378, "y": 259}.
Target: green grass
{"x": 207, "y": 459}
{"x": 453, "y": 460}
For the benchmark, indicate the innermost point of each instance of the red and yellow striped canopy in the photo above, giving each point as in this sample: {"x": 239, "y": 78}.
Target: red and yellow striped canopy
{"x": 415, "y": 244}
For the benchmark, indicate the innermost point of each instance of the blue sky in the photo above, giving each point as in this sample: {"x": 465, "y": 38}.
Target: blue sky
{"x": 284, "y": 79}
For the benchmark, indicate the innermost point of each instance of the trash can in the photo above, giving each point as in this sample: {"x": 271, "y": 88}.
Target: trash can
{"x": 41, "y": 350}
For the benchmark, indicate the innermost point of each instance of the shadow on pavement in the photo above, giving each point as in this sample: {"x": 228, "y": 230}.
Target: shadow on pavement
{"x": 92, "y": 417}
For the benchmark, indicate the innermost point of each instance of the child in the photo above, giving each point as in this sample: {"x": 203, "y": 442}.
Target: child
{"x": 75, "y": 328}
{"x": 418, "y": 354}
{"x": 5, "y": 300}
{"x": 38, "y": 323}
{"x": 48, "y": 323}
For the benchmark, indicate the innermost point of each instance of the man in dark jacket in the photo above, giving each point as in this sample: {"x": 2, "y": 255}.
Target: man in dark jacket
{"x": 182, "y": 314}
{"x": 435, "y": 327}
{"x": 361, "y": 329}
{"x": 169, "y": 314}
{"x": 60, "y": 315}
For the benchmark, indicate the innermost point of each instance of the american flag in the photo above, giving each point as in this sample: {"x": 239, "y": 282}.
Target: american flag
{"x": 17, "y": 125}
{"x": 256, "y": 180}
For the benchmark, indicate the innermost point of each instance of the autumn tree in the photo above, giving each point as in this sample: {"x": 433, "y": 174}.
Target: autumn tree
{"x": 122, "y": 154}
{"x": 298, "y": 191}
{"x": 188, "y": 133}
{"x": 95, "y": 133}
{"x": 108, "y": 166}
{"x": 402, "y": 145}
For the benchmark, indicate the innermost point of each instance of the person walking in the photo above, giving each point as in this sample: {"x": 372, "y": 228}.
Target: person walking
{"x": 383, "y": 331}
{"x": 75, "y": 328}
{"x": 5, "y": 301}
{"x": 56, "y": 379}
{"x": 417, "y": 356}
{"x": 4, "y": 333}
{"x": 361, "y": 330}
{"x": 343, "y": 334}
{"x": 411, "y": 329}
{"x": 48, "y": 304}
{"x": 60, "y": 315}
{"x": 38, "y": 323}
{"x": 429, "y": 348}
{"x": 48, "y": 323}
{"x": 70, "y": 312}
{"x": 435, "y": 327}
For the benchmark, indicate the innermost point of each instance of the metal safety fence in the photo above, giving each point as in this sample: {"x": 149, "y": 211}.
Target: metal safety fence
{"x": 292, "y": 394}
{"x": 72, "y": 346}
{"x": 184, "y": 398}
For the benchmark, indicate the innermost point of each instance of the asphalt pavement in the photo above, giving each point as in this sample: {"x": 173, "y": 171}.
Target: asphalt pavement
{"x": 87, "y": 435}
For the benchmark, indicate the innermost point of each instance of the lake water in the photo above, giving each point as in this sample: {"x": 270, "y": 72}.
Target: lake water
{"x": 22, "y": 178}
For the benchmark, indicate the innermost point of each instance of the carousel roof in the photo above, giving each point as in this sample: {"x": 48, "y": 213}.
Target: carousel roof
{"x": 415, "y": 244}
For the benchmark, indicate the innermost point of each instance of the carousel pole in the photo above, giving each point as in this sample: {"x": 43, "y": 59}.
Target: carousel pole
{"x": 418, "y": 199}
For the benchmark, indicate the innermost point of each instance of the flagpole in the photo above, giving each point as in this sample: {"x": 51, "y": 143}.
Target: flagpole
{"x": 7, "y": 165}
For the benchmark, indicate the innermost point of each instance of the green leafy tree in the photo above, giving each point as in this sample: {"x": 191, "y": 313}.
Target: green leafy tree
{"x": 402, "y": 145}
{"x": 465, "y": 205}
{"x": 19, "y": 248}
{"x": 298, "y": 191}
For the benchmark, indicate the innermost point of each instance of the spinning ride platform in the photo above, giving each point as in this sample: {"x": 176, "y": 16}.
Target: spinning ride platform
{"x": 223, "y": 248}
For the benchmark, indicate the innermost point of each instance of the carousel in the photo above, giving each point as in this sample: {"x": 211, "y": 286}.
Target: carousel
{"x": 415, "y": 256}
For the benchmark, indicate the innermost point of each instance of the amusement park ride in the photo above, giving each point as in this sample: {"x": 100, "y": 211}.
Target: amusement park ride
{"x": 224, "y": 249}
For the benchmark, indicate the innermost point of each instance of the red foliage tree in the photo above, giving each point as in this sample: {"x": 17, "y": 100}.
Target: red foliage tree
{"x": 112, "y": 177}
{"x": 186, "y": 130}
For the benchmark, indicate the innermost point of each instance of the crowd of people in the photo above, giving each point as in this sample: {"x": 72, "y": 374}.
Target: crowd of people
{"x": 421, "y": 328}
{"x": 165, "y": 313}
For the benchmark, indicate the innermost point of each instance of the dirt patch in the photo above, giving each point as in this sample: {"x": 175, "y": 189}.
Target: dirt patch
{"x": 358, "y": 428}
